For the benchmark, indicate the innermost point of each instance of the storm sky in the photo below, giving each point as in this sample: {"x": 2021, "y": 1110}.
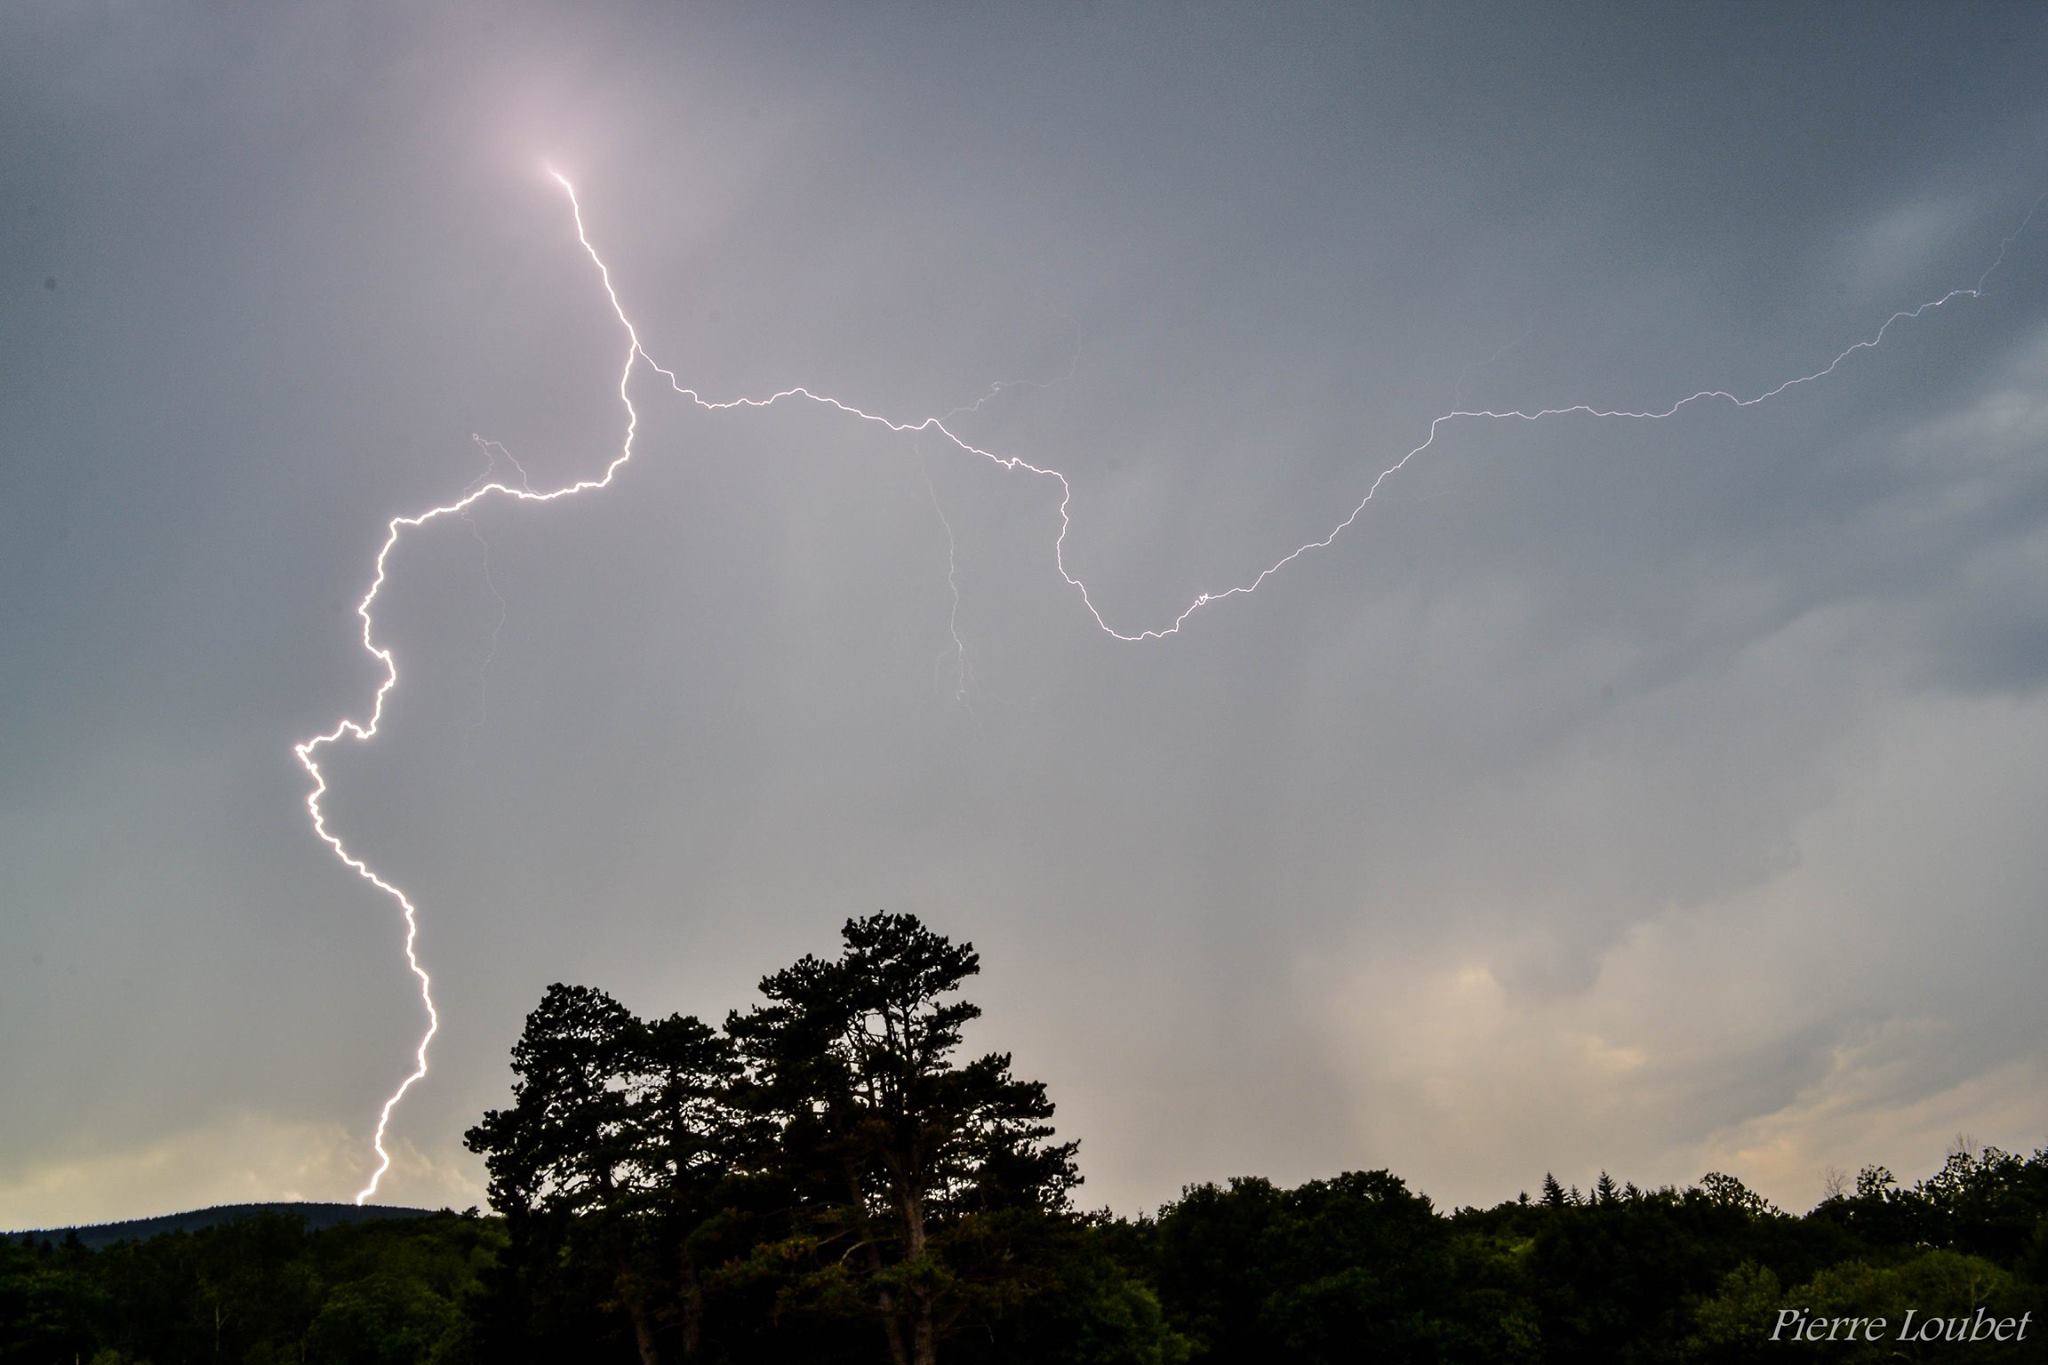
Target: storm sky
{"x": 1660, "y": 797}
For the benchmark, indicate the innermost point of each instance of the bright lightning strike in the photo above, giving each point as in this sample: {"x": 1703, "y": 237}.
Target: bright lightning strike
{"x": 636, "y": 355}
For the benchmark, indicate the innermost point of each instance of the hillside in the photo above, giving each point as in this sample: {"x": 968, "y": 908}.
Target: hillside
{"x": 315, "y": 1216}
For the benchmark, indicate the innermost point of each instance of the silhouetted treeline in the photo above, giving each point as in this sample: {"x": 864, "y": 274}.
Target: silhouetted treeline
{"x": 312, "y": 1215}
{"x": 825, "y": 1178}
{"x": 261, "y": 1290}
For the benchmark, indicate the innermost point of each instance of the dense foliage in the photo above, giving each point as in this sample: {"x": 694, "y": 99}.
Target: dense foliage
{"x": 826, "y": 1179}
{"x": 261, "y": 1290}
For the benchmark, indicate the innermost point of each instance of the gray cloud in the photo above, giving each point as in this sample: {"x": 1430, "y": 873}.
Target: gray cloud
{"x": 1647, "y": 795}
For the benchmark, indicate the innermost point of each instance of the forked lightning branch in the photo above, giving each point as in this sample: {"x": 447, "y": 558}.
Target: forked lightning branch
{"x": 638, "y": 359}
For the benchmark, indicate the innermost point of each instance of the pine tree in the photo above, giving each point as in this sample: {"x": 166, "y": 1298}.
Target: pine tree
{"x": 896, "y": 1145}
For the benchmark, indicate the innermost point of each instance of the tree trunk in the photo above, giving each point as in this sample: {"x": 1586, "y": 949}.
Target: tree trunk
{"x": 693, "y": 1306}
{"x": 643, "y": 1335}
{"x": 643, "y": 1329}
{"x": 923, "y": 1342}
{"x": 892, "y": 1328}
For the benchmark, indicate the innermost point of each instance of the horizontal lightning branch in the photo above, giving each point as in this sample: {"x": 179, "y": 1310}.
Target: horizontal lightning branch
{"x": 636, "y": 355}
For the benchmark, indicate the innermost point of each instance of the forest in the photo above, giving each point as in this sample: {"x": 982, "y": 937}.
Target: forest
{"x": 829, "y": 1177}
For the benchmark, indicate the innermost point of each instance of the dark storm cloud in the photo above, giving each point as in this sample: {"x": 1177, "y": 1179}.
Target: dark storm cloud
{"x": 1584, "y": 804}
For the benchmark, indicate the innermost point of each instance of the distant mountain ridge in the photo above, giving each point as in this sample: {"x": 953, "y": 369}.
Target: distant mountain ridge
{"x": 315, "y": 1216}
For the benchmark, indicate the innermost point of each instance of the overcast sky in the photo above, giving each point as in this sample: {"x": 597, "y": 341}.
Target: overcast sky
{"x": 1655, "y": 796}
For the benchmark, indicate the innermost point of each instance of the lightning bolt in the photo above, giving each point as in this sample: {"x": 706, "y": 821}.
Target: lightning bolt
{"x": 636, "y": 355}
{"x": 493, "y": 452}
{"x": 959, "y": 650}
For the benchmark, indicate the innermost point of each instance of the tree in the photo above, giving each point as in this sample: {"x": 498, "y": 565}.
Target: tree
{"x": 617, "y": 1135}
{"x": 891, "y": 1146}
{"x": 560, "y": 1149}
{"x": 1726, "y": 1192}
{"x": 685, "y": 1138}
